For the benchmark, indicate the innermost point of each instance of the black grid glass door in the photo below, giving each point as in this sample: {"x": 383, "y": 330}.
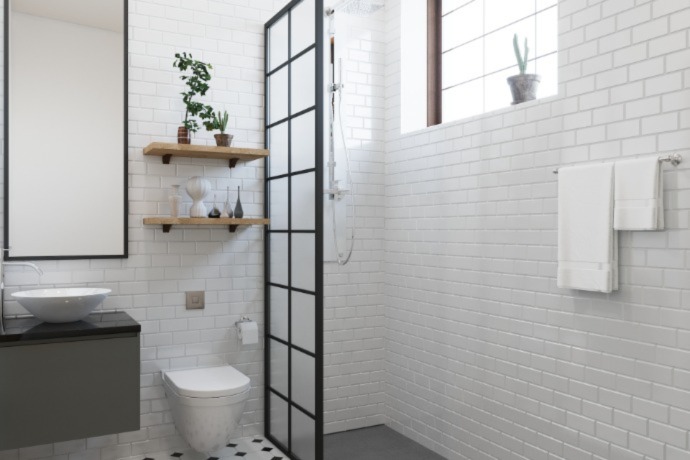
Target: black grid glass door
{"x": 294, "y": 242}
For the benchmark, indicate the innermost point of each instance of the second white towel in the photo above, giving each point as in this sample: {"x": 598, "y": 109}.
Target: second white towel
{"x": 639, "y": 195}
{"x": 587, "y": 242}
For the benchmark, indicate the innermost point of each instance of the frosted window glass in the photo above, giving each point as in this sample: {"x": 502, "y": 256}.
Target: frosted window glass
{"x": 303, "y": 82}
{"x": 279, "y": 419}
{"x": 499, "y": 46}
{"x": 461, "y": 25}
{"x": 303, "y": 321}
{"x": 500, "y": 13}
{"x": 279, "y": 312}
{"x": 547, "y": 32}
{"x": 279, "y": 258}
{"x": 497, "y": 94}
{"x": 303, "y": 246}
{"x": 303, "y": 31}
{"x": 464, "y": 100}
{"x": 303, "y": 142}
{"x": 278, "y": 145}
{"x": 278, "y": 95}
{"x": 279, "y": 367}
{"x": 303, "y": 202}
{"x": 541, "y": 4}
{"x": 463, "y": 63}
{"x": 278, "y": 209}
{"x": 303, "y": 380}
{"x": 303, "y": 435}
{"x": 547, "y": 69}
{"x": 278, "y": 50}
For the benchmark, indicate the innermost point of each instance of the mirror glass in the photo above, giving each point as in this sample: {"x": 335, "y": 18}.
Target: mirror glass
{"x": 66, "y": 129}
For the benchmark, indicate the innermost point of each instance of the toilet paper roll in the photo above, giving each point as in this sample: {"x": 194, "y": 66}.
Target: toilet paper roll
{"x": 249, "y": 332}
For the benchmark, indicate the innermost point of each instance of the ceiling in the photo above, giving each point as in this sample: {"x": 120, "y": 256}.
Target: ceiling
{"x": 101, "y": 14}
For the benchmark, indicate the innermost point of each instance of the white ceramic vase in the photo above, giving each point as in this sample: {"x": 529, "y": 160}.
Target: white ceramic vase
{"x": 198, "y": 188}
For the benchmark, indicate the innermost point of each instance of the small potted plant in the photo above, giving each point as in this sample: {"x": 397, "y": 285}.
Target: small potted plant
{"x": 197, "y": 84}
{"x": 522, "y": 86}
{"x": 220, "y": 122}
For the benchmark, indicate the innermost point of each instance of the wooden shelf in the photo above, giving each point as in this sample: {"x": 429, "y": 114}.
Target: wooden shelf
{"x": 232, "y": 223}
{"x": 232, "y": 154}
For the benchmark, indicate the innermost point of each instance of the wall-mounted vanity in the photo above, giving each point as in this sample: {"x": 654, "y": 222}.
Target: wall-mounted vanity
{"x": 66, "y": 129}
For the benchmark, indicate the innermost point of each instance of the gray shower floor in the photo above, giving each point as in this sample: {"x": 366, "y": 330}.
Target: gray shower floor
{"x": 374, "y": 443}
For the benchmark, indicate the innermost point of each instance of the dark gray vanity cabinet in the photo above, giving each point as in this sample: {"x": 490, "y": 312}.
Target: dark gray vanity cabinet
{"x": 58, "y": 384}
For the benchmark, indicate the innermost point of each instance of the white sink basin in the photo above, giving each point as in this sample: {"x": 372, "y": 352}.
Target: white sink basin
{"x": 61, "y": 305}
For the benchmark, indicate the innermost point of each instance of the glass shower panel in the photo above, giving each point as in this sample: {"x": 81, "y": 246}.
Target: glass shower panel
{"x": 278, "y": 40}
{"x": 303, "y": 144}
{"x": 303, "y": 82}
{"x": 279, "y": 422}
{"x": 278, "y": 95}
{"x": 303, "y": 272}
{"x": 303, "y": 435}
{"x": 279, "y": 204}
{"x": 303, "y": 31}
{"x": 279, "y": 313}
{"x": 279, "y": 258}
{"x": 302, "y": 198}
{"x": 303, "y": 377}
{"x": 279, "y": 367}
{"x": 303, "y": 326}
{"x": 278, "y": 143}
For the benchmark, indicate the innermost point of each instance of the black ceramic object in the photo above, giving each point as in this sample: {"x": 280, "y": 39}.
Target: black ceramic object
{"x": 239, "y": 213}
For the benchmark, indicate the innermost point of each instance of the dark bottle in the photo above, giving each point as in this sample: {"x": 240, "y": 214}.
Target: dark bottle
{"x": 238, "y": 206}
{"x": 215, "y": 213}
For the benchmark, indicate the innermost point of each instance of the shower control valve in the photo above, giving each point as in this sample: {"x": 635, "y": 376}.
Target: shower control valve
{"x": 335, "y": 87}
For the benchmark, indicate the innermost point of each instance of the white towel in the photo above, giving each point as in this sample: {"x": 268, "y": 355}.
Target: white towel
{"x": 639, "y": 195}
{"x": 587, "y": 242}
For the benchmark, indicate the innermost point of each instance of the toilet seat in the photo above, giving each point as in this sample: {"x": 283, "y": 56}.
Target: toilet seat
{"x": 207, "y": 382}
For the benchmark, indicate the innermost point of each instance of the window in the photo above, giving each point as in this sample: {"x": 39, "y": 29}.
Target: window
{"x": 476, "y": 52}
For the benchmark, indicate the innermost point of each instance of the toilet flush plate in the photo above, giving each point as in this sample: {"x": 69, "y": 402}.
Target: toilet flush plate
{"x": 195, "y": 300}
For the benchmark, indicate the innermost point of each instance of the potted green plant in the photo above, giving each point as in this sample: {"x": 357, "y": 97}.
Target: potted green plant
{"x": 196, "y": 76}
{"x": 523, "y": 86}
{"x": 220, "y": 122}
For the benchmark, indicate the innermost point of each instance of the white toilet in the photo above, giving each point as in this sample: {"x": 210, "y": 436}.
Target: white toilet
{"x": 207, "y": 404}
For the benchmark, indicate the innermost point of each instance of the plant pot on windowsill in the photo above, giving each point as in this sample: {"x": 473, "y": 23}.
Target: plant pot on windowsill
{"x": 183, "y": 135}
{"x": 524, "y": 87}
{"x": 223, "y": 140}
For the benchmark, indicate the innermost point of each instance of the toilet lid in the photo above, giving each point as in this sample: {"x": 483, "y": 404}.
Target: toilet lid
{"x": 208, "y": 382}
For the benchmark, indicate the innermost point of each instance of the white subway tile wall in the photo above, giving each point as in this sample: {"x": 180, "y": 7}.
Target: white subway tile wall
{"x": 485, "y": 356}
{"x": 150, "y": 285}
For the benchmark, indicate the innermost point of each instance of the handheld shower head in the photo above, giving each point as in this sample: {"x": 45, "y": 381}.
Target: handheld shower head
{"x": 359, "y": 7}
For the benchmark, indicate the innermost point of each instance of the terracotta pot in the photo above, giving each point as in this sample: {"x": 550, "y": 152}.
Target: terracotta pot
{"x": 223, "y": 140}
{"x": 524, "y": 87}
{"x": 182, "y": 135}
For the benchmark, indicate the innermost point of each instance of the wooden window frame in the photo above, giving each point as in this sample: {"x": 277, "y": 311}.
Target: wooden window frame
{"x": 434, "y": 103}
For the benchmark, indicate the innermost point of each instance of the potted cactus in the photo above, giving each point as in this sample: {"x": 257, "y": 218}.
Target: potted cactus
{"x": 220, "y": 122}
{"x": 197, "y": 85}
{"x": 523, "y": 86}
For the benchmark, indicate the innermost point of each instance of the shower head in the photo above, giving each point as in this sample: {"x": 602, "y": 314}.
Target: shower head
{"x": 359, "y": 7}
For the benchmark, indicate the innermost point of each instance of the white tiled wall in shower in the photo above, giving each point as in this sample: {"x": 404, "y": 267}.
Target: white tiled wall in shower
{"x": 354, "y": 334}
{"x": 486, "y": 357}
{"x": 150, "y": 284}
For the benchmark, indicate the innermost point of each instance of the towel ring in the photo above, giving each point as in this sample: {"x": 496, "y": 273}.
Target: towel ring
{"x": 675, "y": 159}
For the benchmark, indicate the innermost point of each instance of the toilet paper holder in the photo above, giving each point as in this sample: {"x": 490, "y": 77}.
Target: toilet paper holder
{"x": 244, "y": 319}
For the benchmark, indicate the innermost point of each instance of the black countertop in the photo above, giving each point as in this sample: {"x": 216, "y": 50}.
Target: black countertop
{"x": 97, "y": 324}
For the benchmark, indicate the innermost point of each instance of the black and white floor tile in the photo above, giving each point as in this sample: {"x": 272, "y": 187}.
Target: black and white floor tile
{"x": 256, "y": 448}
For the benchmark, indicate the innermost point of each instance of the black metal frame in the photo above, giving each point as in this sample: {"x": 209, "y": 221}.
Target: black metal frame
{"x": 318, "y": 234}
{"x": 6, "y": 143}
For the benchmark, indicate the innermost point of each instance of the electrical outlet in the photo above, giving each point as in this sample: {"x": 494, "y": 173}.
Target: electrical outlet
{"x": 195, "y": 300}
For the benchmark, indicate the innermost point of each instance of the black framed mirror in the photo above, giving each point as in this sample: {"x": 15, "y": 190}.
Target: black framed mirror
{"x": 65, "y": 129}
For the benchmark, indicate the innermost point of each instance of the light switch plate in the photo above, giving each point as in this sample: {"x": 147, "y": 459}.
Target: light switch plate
{"x": 195, "y": 300}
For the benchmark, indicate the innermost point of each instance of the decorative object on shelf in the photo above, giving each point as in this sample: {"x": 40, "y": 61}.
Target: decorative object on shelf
{"x": 227, "y": 207}
{"x": 239, "y": 213}
{"x": 215, "y": 212}
{"x": 523, "y": 86}
{"x": 175, "y": 199}
{"x": 198, "y": 188}
{"x": 220, "y": 121}
{"x": 197, "y": 83}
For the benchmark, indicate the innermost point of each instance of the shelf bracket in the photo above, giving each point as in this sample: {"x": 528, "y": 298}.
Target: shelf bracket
{"x": 166, "y": 159}
{"x": 233, "y": 162}
{"x": 166, "y": 228}
{"x": 232, "y": 228}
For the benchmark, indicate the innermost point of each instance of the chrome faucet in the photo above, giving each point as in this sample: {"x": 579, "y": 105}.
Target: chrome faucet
{"x": 3, "y": 264}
